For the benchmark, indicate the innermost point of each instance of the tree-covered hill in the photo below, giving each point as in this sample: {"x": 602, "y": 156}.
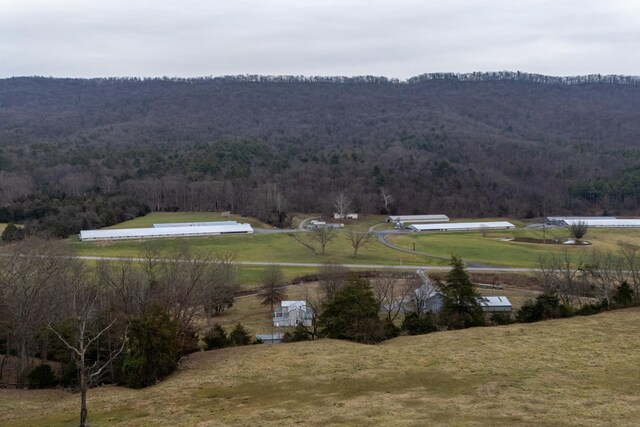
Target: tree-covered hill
{"x": 465, "y": 145}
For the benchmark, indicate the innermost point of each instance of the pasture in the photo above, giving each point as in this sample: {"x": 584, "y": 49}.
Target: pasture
{"x": 581, "y": 371}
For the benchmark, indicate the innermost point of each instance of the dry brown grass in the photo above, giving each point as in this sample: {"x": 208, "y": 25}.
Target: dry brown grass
{"x": 579, "y": 371}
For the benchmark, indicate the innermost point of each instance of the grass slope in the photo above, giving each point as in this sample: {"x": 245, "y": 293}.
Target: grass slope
{"x": 579, "y": 371}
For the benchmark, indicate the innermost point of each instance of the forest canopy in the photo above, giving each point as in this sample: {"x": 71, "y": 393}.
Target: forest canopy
{"x": 480, "y": 144}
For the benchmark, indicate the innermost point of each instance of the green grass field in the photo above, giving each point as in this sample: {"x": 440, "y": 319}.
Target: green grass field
{"x": 272, "y": 248}
{"x": 581, "y": 371}
{"x": 488, "y": 249}
{"x": 493, "y": 250}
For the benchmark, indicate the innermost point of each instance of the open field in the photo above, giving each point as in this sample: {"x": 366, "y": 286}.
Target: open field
{"x": 491, "y": 249}
{"x": 278, "y": 247}
{"x": 494, "y": 250}
{"x": 582, "y": 371}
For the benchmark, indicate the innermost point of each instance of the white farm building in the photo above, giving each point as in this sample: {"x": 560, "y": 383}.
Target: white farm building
{"x": 605, "y": 223}
{"x": 417, "y": 218}
{"x": 464, "y": 226}
{"x": 561, "y": 221}
{"x": 152, "y": 233}
{"x": 194, "y": 224}
{"x": 292, "y": 313}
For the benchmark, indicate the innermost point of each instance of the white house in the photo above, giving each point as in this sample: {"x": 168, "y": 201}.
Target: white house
{"x": 292, "y": 313}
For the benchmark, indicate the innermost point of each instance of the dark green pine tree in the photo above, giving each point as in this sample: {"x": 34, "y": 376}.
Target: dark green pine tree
{"x": 461, "y": 308}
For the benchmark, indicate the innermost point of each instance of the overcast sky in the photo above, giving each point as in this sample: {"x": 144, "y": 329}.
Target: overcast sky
{"x": 399, "y": 38}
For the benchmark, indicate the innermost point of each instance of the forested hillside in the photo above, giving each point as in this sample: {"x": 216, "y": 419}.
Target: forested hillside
{"x": 465, "y": 145}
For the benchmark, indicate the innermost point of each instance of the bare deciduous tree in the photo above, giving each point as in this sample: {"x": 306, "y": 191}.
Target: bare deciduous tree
{"x": 563, "y": 274}
{"x": 332, "y": 279}
{"x": 323, "y": 235}
{"x": 342, "y": 203}
{"x": 82, "y": 299}
{"x": 358, "y": 239}
{"x": 602, "y": 267}
{"x": 271, "y": 292}
{"x": 387, "y": 199}
{"x": 393, "y": 292}
{"x": 29, "y": 272}
{"x": 630, "y": 266}
{"x": 578, "y": 229}
{"x": 222, "y": 285}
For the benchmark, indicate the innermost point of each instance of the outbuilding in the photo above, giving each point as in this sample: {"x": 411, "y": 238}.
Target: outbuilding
{"x": 464, "y": 226}
{"x": 153, "y": 233}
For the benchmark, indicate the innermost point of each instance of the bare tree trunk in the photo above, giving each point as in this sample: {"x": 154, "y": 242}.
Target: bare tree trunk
{"x": 84, "y": 386}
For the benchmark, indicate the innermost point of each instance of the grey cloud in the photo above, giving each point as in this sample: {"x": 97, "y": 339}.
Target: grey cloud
{"x": 397, "y": 39}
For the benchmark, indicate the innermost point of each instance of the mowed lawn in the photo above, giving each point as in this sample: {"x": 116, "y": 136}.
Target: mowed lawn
{"x": 273, "y": 248}
{"x": 582, "y": 371}
{"x": 493, "y": 248}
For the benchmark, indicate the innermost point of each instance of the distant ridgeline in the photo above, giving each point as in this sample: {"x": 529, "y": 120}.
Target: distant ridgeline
{"x": 468, "y": 145}
{"x": 462, "y": 77}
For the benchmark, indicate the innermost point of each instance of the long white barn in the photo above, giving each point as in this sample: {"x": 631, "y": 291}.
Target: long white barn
{"x": 561, "y": 221}
{"x": 464, "y": 226}
{"x": 605, "y": 223}
{"x": 152, "y": 233}
{"x": 194, "y": 224}
{"x": 417, "y": 218}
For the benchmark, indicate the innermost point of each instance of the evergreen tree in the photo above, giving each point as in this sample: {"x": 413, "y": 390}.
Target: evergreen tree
{"x": 461, "y": 308}
{"x": 153, "y": 350}
{"x": 353, "y": 314}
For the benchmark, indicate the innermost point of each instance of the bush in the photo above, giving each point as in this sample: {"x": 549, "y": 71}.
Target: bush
{"x": 300, "y": 333}
{"x": 239, "y": 336}
{"x": 546, "y": 306}
{"x": 592, "y": 308}
{"x": 501, "y": 318}
{"x": 623, "y": 296}
{"x": 42, "y": 376}
{"x": 216, "y": 338}
{"x": 419, "y": 323}
{"x": 12, "y": 233}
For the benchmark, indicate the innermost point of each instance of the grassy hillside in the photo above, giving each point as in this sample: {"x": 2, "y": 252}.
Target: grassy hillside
{"x": 579, "y": 371}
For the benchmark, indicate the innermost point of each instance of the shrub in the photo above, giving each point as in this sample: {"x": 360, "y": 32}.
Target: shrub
{"x": 216, "y": 338}
{"x": 42, "y": 376}
{"x": 239, "y": 336}
{"x": 624, "y": 295}
{"x": 419, "y": 323}
{"x": 546, "y": 306}
{"x": 300, "y": 333}
{"x": 501, "y": 318}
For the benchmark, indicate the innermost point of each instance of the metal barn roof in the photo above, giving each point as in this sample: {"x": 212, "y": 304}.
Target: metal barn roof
{"x": 194, "y": 224}
{"x": 464, "y": 226}
{"x": 578, "y": 218}
{"x": 605, "y": 222}
{"x": 495, "y": 303}
{"x": 149, "y": 233}
{"x": 417, "y": 218}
